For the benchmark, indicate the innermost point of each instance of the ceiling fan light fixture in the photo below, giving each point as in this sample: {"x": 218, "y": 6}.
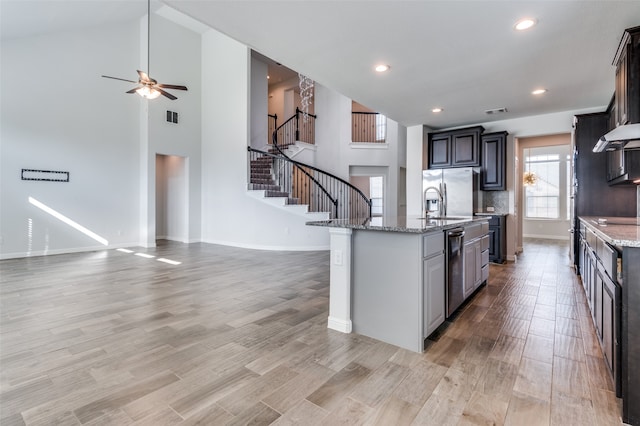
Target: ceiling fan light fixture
{"x": 148, "y": 92}
{"x": 148, "y": 87}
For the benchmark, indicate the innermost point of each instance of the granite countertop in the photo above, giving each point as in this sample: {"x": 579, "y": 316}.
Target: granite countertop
{"x": 490, "y": 214}
{"x": 407, "y": 224}
{"x": 617, "y": 231}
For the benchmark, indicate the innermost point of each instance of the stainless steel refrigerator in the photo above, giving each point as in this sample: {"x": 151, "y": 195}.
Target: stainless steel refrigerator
{"x": 459, "y": 189}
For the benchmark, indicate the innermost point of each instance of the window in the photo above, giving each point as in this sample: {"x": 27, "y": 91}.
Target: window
{"x": 542, "y": 199}
{"x": 375, "y": 192}
{"x": 381, "y": 128}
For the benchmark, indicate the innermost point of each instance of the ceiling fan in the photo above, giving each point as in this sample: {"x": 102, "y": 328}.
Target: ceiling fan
{"x": 148, "y": 87}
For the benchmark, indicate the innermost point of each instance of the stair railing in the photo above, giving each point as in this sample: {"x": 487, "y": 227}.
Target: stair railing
{"x": 272, "y": 123}
{"x": 299, "y": 127}
{"x": 321, "y": 191}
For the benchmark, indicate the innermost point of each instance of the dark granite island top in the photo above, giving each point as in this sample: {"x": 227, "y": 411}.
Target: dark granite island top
{"x": 617, "y": 231}
{"x": 407, "y": 224}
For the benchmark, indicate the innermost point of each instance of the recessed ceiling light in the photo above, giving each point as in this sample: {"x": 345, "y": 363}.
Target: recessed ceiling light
{"x": 268, "y": 77}
{"x": 539, "y": 91}
{"x": 382, "y": 68}
{"x": 437, "y": 110}
{"x": 524, "y": 24}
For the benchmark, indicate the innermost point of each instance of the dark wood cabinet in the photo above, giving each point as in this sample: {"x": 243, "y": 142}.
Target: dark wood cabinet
{"x": 621, "y": 115}
{"x": 439, "y": 151}
{"x": 454, "y": 148}
{"x": 465, "y": 147}
{"x": 494, "y": 165}
{"x": 599, "y": 262}
{"x": 594, "y": 196}
{"x": 497, "y": 239}
{"x": 627, "y": 63}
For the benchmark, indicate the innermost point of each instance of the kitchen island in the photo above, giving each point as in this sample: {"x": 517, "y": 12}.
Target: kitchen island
{"x": 387, "y": 278}
{"x": 609, "y": 239}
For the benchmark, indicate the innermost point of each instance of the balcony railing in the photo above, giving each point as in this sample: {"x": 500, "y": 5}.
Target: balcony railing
{"x": 369, "y": 127}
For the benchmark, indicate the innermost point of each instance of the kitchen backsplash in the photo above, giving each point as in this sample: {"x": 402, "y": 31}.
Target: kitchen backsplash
{"x": 499, "y": 200}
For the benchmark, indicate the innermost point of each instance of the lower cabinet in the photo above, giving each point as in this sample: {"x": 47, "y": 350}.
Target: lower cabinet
{"x": 433, "y": 293}
{"x": 476, "y": 257}
{"x": 604, "y": 298}
{"x": 472, "y": 255}
{"x": 497, "y": 238}
{"x": 610, "y": 326}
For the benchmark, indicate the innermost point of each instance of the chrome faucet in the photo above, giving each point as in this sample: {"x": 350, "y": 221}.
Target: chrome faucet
{"x": 428, "y": 203}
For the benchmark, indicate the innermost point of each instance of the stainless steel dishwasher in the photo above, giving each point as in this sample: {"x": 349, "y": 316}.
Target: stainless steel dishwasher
{"x": 455, "y": 269}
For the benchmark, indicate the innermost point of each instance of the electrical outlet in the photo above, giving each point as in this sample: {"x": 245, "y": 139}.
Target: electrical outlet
{"x": 337, "y": 257}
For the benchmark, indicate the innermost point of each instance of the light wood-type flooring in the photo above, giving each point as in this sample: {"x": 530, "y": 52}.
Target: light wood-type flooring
{"x": 235, "y": 336}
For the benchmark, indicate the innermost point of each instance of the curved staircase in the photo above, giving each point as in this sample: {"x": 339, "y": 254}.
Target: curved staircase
{"x": 261, "y": 179}
{"x": 276, "y": 177}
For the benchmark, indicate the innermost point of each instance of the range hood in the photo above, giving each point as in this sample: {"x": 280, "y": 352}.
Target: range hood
{"x": 626, "y": 136}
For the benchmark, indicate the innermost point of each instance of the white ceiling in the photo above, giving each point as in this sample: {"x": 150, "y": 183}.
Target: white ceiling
{"x": 463, "y": 56}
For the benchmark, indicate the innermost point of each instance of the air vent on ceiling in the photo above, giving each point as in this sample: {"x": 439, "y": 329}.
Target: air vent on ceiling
{"x": 495, "y": 111}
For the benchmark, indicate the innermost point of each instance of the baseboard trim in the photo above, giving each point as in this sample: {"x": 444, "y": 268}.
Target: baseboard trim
{"x": 546, "y": 237}
{"x": 37, "y": 253}
{"x": 339, "y": 325}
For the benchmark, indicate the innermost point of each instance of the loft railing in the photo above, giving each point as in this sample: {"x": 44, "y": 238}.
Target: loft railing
{"x": 272, "y": 123}
{"x": 299, "y": 127}
{"x": 368, "y": 127}
{"x": 321, "y": 191}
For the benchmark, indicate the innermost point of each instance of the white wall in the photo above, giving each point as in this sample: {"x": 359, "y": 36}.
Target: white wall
{"x": 59, "y": 114}
{"x": 175, "y": 59}
{"x": 281, "y": 100}
{"x": 230, "y": 215}
{"x": 76, "y": 121}
{"x": 416, "y": 140}
{"x": 259, "y": 112}
{"x": 333, "y": 131}
{"x": 338, "y": 155}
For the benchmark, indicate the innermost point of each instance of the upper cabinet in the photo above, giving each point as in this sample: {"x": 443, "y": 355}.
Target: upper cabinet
{"x": 494, "y": 165}
{"x": 627, "y": 63}
{"x": 455, "y": 148}
{"x": 623, "y": 166}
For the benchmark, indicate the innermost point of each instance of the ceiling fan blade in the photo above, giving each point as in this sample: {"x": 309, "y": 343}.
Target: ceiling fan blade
{"x": 117, "y": 78}
{"x": 134, "y": 89}
{"x": 167, "y": 94}
{"x": 145, "y": 77}
{"x": 171, "y": 86}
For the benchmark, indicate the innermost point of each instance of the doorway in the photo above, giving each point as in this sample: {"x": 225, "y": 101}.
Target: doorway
{"x": 373, "y": 181}
{"x": 544, "y": 187}
{"x": 172, "y": 198}
{"x": 373, "y": 188}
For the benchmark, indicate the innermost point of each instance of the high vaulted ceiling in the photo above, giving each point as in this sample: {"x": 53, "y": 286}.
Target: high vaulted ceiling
{"x": 462, "y": 56}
